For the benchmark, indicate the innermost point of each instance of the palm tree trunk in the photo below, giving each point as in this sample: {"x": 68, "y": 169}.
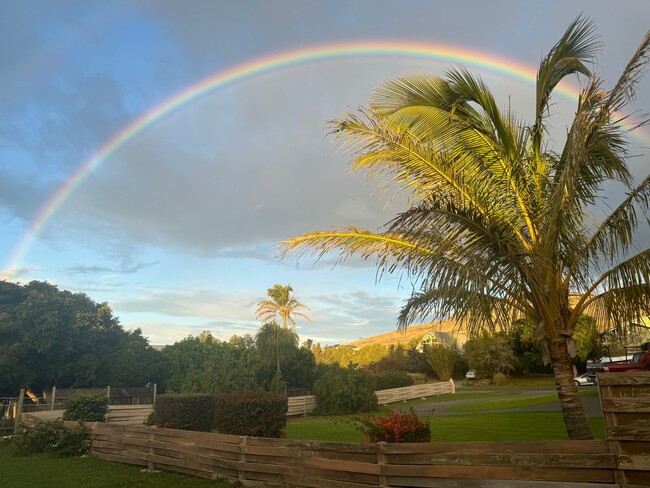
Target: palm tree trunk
{"x": 575, "y": 419}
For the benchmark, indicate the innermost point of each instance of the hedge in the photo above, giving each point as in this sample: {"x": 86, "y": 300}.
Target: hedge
{"x": 252, "y": 413}
{"x": 184, "y": 411}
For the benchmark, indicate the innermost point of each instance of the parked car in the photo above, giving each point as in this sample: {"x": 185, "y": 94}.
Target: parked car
{"x": 470, "y": 375}
{"x": 585, "y": 380}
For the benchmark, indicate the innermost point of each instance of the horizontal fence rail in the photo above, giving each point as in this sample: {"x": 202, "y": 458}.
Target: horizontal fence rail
{"x": 251, "y": 460}
{"x": 307, "y": 404}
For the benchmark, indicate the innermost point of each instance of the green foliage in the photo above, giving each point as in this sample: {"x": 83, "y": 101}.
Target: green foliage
{"x": 86, "y": 408}
{"x": 441, "y": 359}
{"x": 276, "y": 344}
{"x": 282, "y": 303}
{"x": 186, "y": 412}
{"x": 252, "y": 413}
{"x": 394, "y": 427}
{"x": 490, "y": 354}
{"x": 345, "y": 390}
{"x": 204, "y": 364}
{"x": 588, "y": 339}
{"x": 393, "y": 379}
{"x": 526, "y": 345}
{"x": 53, "y": 437}
{"x": 53, "y": 337}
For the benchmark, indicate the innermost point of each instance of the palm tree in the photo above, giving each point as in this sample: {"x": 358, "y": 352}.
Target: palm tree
{"x": 499, "y": 226}
{"x": 282, "y": 302}
{"x": 275, "y": 344}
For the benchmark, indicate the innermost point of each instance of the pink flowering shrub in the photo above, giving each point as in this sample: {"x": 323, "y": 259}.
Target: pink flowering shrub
{"x": 395, "y": 427}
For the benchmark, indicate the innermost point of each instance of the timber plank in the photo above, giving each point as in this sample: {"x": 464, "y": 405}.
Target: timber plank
{"x": 503, "y": 472}
{"x": 346, "y": 476}
{"x": 247, "y": 467}
{"x": 628, "y": 433}
{"x": 349, "y": 466}
{"x": 641, "y": 463}
{"x": 479, "y": 483}
{"x": 312, "y": 482}
{"x": 626, "y": 378}
{"x": 119, "y": 459}
{"x": 544, "y": 447}
{"x": 507, "y": 459}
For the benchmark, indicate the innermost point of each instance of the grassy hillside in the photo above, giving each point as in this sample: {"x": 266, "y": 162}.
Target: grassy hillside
{"x": 415, "y": 332}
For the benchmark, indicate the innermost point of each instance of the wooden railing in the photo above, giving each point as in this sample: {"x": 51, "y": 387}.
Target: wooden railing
{"x": 568, "y": 464}
{"x": 117, "y": 414}
{"x": 307, "y": 404}
{"x": 625, "y": 400}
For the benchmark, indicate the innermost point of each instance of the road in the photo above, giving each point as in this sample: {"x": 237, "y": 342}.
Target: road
{"x": 591, "y": 403}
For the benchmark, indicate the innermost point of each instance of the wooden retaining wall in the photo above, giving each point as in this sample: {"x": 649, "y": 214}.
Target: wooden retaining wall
{"x": 625, "y": 400}
{"x": 306, "y": 404}
{"x": 251, "y": 460}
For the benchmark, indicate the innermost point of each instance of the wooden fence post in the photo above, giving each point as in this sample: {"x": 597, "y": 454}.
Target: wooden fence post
{"x": 152, "y": 437}
{"x": 53, "y": 396}
{"x": 19, "y": 409}
{"x": 155, "y": 390}
{"x": 243, "y": 440}
{"x": 381, "y": 462}
{"x": 453, "y": 386}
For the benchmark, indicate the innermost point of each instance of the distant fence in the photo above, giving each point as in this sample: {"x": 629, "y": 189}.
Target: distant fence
{"x": 117, "y": 414}
{"x": 307, "y": 404}
{"x": 625, "y": 399}
{"x": 251, "y": 460}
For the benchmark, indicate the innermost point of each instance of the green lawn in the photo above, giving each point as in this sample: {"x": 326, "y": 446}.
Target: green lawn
{"x": 516, "y": 426}
{"x": 44, "y": 470}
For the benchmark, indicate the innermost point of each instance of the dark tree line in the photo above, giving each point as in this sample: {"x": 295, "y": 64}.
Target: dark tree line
{"x": 50, "y": 337}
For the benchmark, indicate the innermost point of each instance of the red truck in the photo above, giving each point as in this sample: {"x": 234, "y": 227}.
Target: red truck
{"x": 633, "y": 364}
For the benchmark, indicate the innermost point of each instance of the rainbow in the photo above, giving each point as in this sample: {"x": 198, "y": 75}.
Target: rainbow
{"x": 260, "y": 66}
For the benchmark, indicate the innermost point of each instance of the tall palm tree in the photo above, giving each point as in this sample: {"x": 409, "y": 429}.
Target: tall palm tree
{"x": 281, "y": 303}
{"x": 498, "y": 224}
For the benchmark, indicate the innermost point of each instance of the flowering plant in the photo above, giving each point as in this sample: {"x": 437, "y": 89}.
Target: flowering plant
{"x": 395, "y": 427}
{"x": 165, "y": 425}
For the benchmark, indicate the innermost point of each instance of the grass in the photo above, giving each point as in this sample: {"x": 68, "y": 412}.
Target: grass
{"x": 514, "y": 426}
{"x": 88, "y": 472}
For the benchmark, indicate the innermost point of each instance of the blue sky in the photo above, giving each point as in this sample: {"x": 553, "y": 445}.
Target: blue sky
{"x": 177, "y": 229}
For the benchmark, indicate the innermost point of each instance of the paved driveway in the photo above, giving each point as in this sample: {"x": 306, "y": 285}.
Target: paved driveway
{"x": 590, "y": 403}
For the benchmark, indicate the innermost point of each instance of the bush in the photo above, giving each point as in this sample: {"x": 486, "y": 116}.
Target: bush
{"x": 86, "y": 407}
{"x": 441, "y": 359}
{"x": 345, "y": 390}
{"x": 186, "y": 412}
{"x": 395, "y": 427}
{"x": 252, "y": 413}
{"x": 53, "y": 437}
{"x": 393, "y": 379}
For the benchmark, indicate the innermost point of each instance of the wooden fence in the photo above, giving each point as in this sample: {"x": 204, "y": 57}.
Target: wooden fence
{"x": 251, "y": 460}
{"x": 625, "y": 400}
{"x": 117, "y": 414}
{"x": 307, "y": 404}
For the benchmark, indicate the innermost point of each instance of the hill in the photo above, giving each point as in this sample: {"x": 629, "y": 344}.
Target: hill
{"x": 415, "y": 332}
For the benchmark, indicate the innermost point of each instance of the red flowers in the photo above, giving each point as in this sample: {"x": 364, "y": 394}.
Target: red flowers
{"x": 396, "y": 427}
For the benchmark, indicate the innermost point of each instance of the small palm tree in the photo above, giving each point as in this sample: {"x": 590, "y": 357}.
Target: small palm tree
{"x": 500, "y": 225}
{"x": 281, "y": 303}
{"x": 276, "y": 344}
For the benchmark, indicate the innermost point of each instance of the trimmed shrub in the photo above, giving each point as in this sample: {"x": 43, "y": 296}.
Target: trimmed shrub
{"x": 393, "y": 379}
{"x": 252, "y": 413}
{"x": 184, "y": 411}
{"x": 395, "y": 427}
{"x": 345, "y": 390}
{"x": 86, "y": 407}
{"x": 53, "y": 437}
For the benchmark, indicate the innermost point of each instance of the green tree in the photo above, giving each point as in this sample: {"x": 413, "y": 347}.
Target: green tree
{"x": 490, "y": 354}
{"x": 500, "y": 224}
{"x": 51, "y": 337}
{"x": 276, "y": 344}
{"x": 281, "y": 303}
{"x": 441, "y": 359}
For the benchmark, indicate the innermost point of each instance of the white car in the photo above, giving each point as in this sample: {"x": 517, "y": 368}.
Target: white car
{"x": 584, "y": 380}
{"x": 470, "y": 375}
